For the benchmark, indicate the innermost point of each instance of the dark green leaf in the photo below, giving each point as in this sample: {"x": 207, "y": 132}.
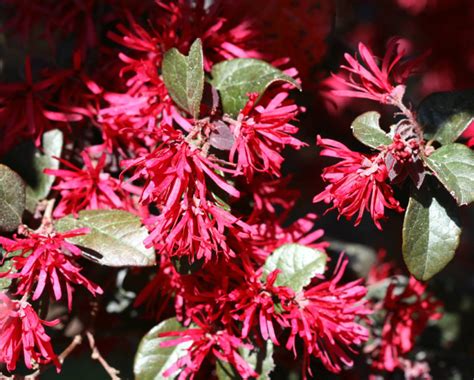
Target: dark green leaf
{"x": 453, "y": 165}
{"x": 450, "y": 328}
{"x": 298, "y": 265}
{"x": 366, "y": 129}
{"x": 12, "y": 199}
{"x": 4, "y": 267}
{"x": 115, "y": 238}
{"x": 430, "y": 233}
{"x": 362, "y": 257}
{"x": 8, "y": 266}
{"x": 151, "y": 360}
{"x": 184, "y": 77}
{"x": 445, "y": 115}
{"x": 52, "y": 146}
{"x": 29, "y": 162}
{"x": 261, "y": 360}
{"x": 378, "y": 290}
{"x": 234, "y": 79}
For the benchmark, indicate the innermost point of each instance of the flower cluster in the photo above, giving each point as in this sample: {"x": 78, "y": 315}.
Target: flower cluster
{"x": 90, "y": 188}
{"x": 260, "y": 134}
{"x": 42, "y": 262}
{"x": 407, "y": 315}
{"x": 325, "y": 316}
{"x": 27, "y": 108}
{"x": 357, "y": 183}
{"x": 400, "y": 317}
{"x": 47, "y": 259}
{"x": 384, "y": 83}
{"x": 22, "y": 331}
{"x": 364, "y": 182}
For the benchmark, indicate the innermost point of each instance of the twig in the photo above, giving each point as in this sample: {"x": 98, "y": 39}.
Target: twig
{"x": 47, "y": 221}
{"x": 408, "y": 113}
{"x": 113, "y": 373}
{"x": 77, "y": 340}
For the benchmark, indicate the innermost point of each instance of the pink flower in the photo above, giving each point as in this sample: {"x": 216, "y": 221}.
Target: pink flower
{"x": 273, "y": 233}
{"x": 356, "y": 183}
{"x": 272, "y": 203}
{"x": 156, "y": 296}
{"x": 382, "y": 269}
{"x": 90, "y": 188}
{"x": 193, "y": 227}
{"x": 469, "y": 135}
{"x": 415, "y": 370}
{"x": 173, "y": 167}
{"x": 261, "y": 133}
{"x": 223, "y": 36}
{"x": 146, "y": 104}
{"x": 269, "y": 197}
{"x": 325, "y": 318}
{"x": 47, "y": 260}
{"x": 221, "y": 344}
{"x": 415, "y": 7}
{"x": 26, "y": 108}
{"x": 193, "y": 222}
{"x": 136, "y": 117}
{"x": 21, "y": 331}
{"x": 259, "y": 303}
{"x": 78, "y": 93}
{"x": 407, "y": 313}
{"x": 383, "y": 83}
{"x": 403, "y": 159}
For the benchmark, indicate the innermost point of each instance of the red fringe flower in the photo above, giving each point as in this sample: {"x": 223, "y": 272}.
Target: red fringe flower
{"x": 90, "y": 188}
{"x": 385, "y": 83}
{"x": 261, "y": 133}
{"x": 22, "y": 331}
{"x": 325, "y": 318}
{"x": 47, "y": 260}
{"x": 357, "y": 183}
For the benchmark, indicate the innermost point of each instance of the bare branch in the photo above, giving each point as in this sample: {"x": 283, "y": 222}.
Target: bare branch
{"x": 113, "y": 373}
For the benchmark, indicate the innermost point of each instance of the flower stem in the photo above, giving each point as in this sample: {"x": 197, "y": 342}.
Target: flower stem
{"x": 409, "y": 114}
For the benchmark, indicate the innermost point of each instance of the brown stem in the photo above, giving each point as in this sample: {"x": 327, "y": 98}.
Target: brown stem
{"x": 47, "y": 221}
{"x": 113, "y": 373}
{"x": 77, "y": 340}
{"x": 408, "y": 113}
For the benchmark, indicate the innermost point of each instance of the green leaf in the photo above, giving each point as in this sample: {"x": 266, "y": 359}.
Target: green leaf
{"x": 362, "y": 257}
{"x": 184, "y": 77}
{"x": 12, "y": 199}
{"x": 431, "y": 233}
{"x": 234, "y": 79}
{"x": 366, "y": 129}
{"x": 260, "y": 360}
{"x": 446, "y": 115}
{"x": 7, "y": 266}
{"x": 450, "y": 327}
{"x": 453, "y": 165}
{"x": 298, "y": 265}
{"x": 29, "y": 162}
{"x": 52, "y": 146}
{"x": 378, "y": 290}
{"x": 115, "y": 238}
{"x": 151, "y": 360}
